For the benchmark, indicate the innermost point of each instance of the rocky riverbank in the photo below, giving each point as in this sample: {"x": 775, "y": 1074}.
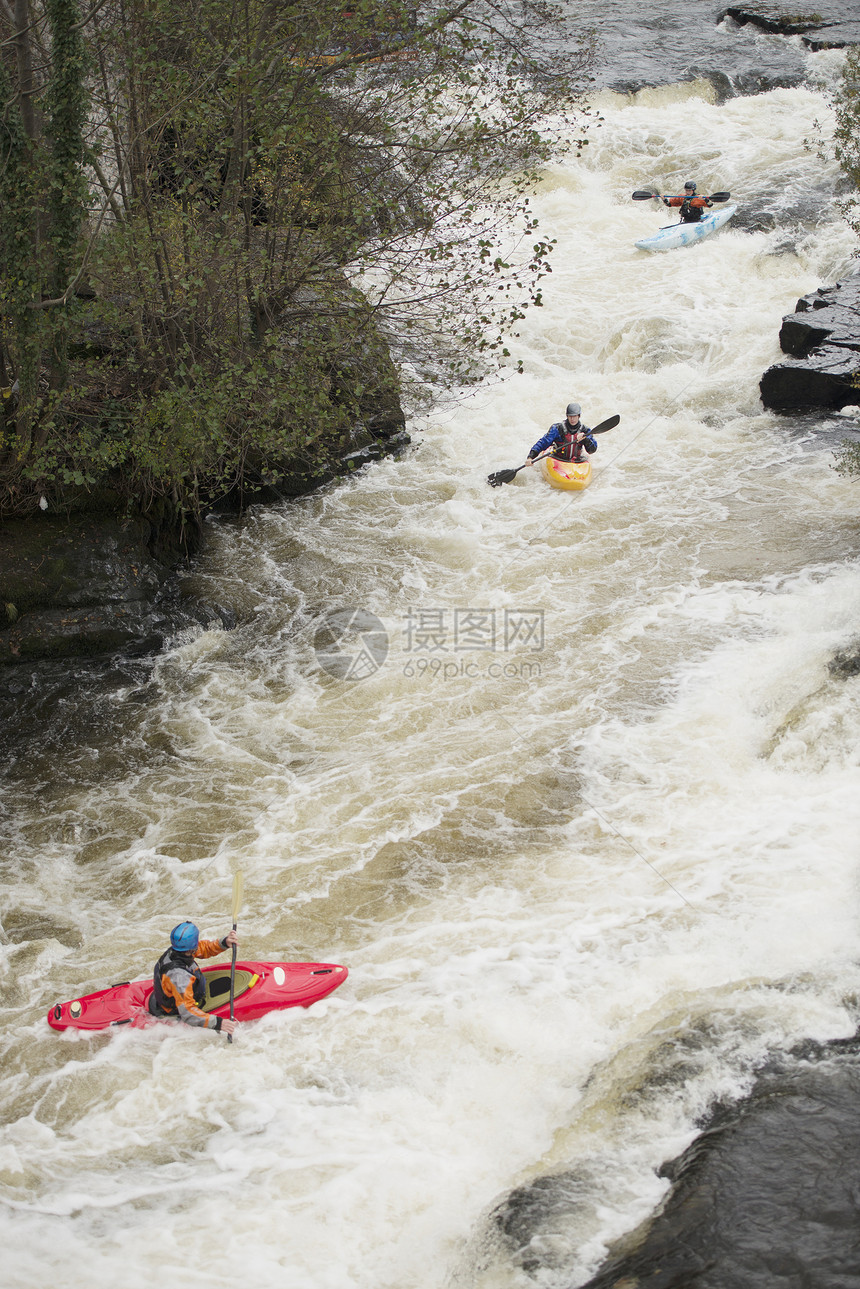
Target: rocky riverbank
{"x": 756, "y": 1201}
{"x": 825, "y": 25}
{"x": 97, "y": 583}
{"x": 822, "y": 340}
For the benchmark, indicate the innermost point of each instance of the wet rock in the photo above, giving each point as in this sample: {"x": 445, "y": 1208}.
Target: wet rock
{"x": 846, "y": 662}
{"x": 85, "y": 585}
{"x": 80, "y": 586}
{"x": 68, "y": 563}
{"x": 821, "y": 25}
{"x": 767, "y": 1198}
{"x": 375, "y": 451}
{"x": 822, "y": 339}
{"x": 822, "y": 380}
{"x": 831, "y": 313}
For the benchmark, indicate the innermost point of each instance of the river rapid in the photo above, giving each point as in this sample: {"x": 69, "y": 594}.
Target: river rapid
{"x": 582, "y": 826}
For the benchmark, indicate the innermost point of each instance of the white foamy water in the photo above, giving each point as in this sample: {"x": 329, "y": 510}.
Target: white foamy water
{"x": 549, "y": 867}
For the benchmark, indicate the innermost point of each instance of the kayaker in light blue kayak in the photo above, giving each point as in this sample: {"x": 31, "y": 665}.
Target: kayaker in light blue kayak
{"x": 692, "y": 207}
{"x": 569, "y": 436}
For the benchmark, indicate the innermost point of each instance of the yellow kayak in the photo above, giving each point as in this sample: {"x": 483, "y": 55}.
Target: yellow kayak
{"x": 572, "y": 476}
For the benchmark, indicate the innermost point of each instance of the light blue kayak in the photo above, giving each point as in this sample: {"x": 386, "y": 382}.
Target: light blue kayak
{"x": 666, "y": 239}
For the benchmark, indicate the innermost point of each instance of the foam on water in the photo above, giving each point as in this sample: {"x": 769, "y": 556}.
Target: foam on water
{"x": 550, "y": 867}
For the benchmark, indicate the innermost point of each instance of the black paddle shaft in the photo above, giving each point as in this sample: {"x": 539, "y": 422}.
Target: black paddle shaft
{"x": 238, "y": 882}
{"x": 232, "y": 986}
{"x": 647, "y": 194}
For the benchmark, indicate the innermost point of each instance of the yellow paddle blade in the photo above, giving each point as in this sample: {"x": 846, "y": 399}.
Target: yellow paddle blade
{"x": 237, "y": 897}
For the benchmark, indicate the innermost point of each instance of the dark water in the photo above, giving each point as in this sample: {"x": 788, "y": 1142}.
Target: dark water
{"x": 660, "y": 44}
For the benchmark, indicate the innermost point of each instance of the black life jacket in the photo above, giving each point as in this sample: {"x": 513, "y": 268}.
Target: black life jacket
{"x": 162, "y": 1004}
{"x": 691, "y": 214}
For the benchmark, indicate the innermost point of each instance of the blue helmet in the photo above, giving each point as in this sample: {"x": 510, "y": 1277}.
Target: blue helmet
{"x": 185, "y": 937}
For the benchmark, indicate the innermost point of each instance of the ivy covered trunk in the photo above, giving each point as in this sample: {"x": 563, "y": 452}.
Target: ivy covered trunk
{"x": 44, "y": 198}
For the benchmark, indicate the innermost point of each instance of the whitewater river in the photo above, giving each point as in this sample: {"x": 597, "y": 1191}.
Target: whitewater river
{"x": 583, "y": 826}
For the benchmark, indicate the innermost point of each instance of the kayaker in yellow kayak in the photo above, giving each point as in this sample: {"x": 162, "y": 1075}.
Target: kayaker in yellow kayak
{"x": 567, "y": 438}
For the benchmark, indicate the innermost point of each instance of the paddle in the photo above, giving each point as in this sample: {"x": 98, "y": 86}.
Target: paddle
{"x": 237, "y": 900}
{"x": 506, "y": 476}
{"x": 646, "y": 195}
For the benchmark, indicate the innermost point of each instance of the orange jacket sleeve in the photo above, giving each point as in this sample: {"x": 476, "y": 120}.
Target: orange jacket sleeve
{"x": 209, "y": 949}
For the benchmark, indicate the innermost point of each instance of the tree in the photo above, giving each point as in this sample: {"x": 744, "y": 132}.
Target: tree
{"x": 43, "y": 196}
{"x": 846, "y": 135}
{"x": 259, "y": 198}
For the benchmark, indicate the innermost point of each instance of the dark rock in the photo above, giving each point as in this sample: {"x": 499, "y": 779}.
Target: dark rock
{"x": 74, "y": 562}
{"x": 822, "y": 338}
{"x": 134, "y": 629}
{"x": 397, "y": 444}
{"x": 90, "y": 584}
{"x": 831, "y": 313}
{"x": 837, "y": 36}
{"x": 767, "y": 1198}
{"x": 773, "y": 18}
{"x": 63, "y": 633}
{"x": 831, "y": 24}
{"x": 824, "y": 379}
{"x": 846, "y": 662}
{"x": 376, "y": 450}
{"x": 363, "y": 456}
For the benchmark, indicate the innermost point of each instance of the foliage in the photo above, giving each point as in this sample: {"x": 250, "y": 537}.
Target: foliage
{"x": 848, "y": 458}
{"x": 846, "y": 136}
{"x": 220, "y": 210}
{"x": 846, "y": 148}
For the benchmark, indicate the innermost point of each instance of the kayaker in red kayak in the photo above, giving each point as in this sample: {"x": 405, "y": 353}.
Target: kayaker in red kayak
{"x": 178, "y": 986}
{"x": 692, "y": 207}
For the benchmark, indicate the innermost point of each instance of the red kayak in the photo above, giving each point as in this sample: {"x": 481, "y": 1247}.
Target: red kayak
{"x": 260, "y": 987}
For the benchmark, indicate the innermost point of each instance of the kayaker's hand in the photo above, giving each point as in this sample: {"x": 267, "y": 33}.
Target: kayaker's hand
{"x": 231, "y": 938}
{"x": 228, "y": 1026}
{"x": 528, "y": 461}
